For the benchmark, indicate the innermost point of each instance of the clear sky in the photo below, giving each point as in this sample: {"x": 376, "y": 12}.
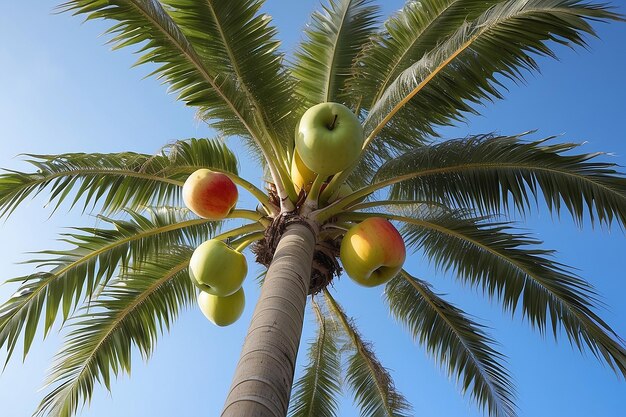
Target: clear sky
{"x": 63, "y": 90}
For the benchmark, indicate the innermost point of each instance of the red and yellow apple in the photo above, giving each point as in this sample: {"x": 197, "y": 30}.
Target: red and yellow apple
{"x": 217, "y": 268}
{"x": 372, "y": 252}
{"x": 301, "y": 176}
{"x": 222, "y": 311}
{"x": 329, "y": 138}
{"x": 210, "y": 194}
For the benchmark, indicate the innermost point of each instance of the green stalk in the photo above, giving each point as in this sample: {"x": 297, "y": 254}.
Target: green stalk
{"x": 251, "y": 188}
{"x": 312, "y": 199}
{"x": 248, "y": 228}
{"x": 379, "y": 203}
{"x": 245, "y": 241}
{"x": 246, "y": 214}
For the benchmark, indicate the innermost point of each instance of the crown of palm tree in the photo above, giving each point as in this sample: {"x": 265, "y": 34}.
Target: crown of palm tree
{"x": 428, "y": 65}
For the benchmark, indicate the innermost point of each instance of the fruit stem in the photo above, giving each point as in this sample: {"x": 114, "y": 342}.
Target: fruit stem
{"x": 311, "y": 200}
{"x": 338, "y": 206}
{"x": 245, "y": 214}
{"x": 248, "y": 228}
{"x": 247, "y": 240}
{"x": 251, "y": 188}
{"x": 332, "y": 125}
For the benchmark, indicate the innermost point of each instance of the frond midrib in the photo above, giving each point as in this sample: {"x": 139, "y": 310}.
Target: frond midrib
{"x": 536, "y": 279}
{"x": 417, "y": 89}
{"x": 331, "y": 67}
{"x": 118, "y": 172}
{"x": 392, "y": 70}
{"x": 318, "y": 359}
{"x": 101, "y": 250}
{"x": 454, "y": 329}
{"x": 490, "y": 165}
{"x": 445, "y": 63}
{"x": 200, "y": 67}
{"x": 124, "y": 313}
{"x": 361, "y": 350}
{"x": 238, "y": 73}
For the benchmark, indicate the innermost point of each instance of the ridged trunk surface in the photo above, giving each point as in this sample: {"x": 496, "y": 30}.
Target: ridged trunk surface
{"x": 262, "y": 383}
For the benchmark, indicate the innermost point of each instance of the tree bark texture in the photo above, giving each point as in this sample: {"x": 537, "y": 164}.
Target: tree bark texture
{"x": 262, "y": 383}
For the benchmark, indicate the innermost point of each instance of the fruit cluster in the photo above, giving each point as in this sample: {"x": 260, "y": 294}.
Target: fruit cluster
{"x": 329, "y": 138}
{"x": 215, "y": 268}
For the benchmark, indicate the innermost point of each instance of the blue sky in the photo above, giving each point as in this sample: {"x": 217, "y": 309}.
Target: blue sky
{"x": 63, "y": 91}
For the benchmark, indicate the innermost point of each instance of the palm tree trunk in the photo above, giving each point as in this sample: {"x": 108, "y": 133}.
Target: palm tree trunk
{"x": 262, "y": 383}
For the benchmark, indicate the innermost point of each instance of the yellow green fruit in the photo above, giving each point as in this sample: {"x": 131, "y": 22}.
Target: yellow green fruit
{"x": 222, "y": 311}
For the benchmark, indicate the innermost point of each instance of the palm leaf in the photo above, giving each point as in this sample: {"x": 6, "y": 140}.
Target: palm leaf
{"x": 509, "y": 267}
{"x": 458, "y": 343}
{"x": 237, "y": 42}
{"x": 464, "y": 69}
{"x": 316, "y": 391}
{"x": 133, "y": 311}
{"x": 97, "y": 254}
{"x": 487, "y": 173}
{"x": 333, "y": 39}
{"x": 409, "y": 34}
{"x": 117, "y": 180}
{"x": 370, "y": 382}
{"x": 180, "y": 62}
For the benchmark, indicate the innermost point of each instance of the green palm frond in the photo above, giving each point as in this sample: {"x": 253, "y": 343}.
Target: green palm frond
{"x": 509, "y": 266}
{"x": 149, "y": 25}
{"x": 117, "y": 181}
{"x": 370, "y": 382}
{"x": 487, "y": 173}
{"x": 132, "y": 312}
{"x": 316, "y": 391}
{"x": 458, "y": 343}
{"x": 324, "y": 60}
{"x": 409, "y": 34}
{"x": 97, "y": 254}
{"x": 238, "y": 43}
{"x": 463, "y": 70}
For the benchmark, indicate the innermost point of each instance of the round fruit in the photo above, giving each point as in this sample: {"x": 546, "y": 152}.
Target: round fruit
{"x": 372, "y": 252}
{"x": 222, "y": 311}
{"x": 209, "y": 194}
{"x": 329, "y": 138}
{"x": 219, "y": 268}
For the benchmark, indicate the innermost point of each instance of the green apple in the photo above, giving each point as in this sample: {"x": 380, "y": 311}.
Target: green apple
{"x": 219, "y": 269}
{"x": 329, "y": 138}
{"x": 372, "y": 252}
{"x": 222, "y": 311}
{"x": 209, "y": 194}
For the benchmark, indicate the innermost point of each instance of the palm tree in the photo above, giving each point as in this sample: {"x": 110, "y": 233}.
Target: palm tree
{"x": 430, "y": 64}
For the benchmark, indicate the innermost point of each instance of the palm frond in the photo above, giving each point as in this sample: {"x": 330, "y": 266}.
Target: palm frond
{"x": 509, "y": 266}
{"x": 238, "y": 42}
{"x": 149, "y": 25}
{"x": 370, "y": 382}
{"x": 464, "y": 69}
{"x": 487, "y": 173}
{"x": 132, "y": 312}
{"x": 409, "y": 34}
{"x": 316, "y": 391}
{"x": 116, "y": 180}
{"x": 459, "y": 344}
{"x": 334, "y": 38}
{"x": 97, "y": 254}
